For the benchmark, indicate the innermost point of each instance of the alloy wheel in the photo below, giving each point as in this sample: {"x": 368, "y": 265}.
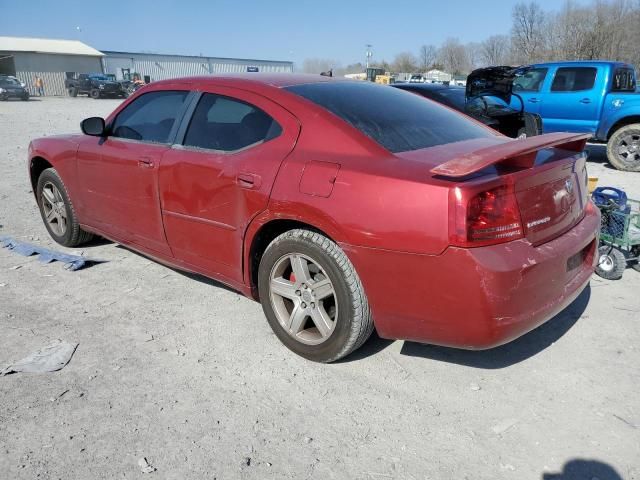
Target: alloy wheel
{"x": 303, "y": 298}
{"x": 629, "y": 148}
{"x": 55, "y": 210}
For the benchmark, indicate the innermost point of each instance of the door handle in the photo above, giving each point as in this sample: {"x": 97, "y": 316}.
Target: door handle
{"x": 585, "y": 100}
{"x": 145, "y": 162}
{"x": 248, "y": 180}
{"x": 532, "y": 100}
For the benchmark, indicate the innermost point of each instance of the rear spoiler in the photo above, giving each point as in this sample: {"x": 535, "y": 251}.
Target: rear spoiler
{"x": 514, "y": 153}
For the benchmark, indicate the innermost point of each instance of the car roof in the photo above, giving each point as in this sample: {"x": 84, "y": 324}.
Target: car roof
{"x": 278, "y": 80}
{"x": 428, "y": 86}
{"x": 585, "y": 63}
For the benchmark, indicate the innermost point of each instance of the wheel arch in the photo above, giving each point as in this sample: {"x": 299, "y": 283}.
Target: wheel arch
{"x": 623, "y": 122}
{"x": 37, "y": 165}
{"x": 259, "y": 240}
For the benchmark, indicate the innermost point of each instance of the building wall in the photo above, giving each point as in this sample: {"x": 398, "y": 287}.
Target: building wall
{"x": 161, "y": 67}
{"x": 51, "y": 68}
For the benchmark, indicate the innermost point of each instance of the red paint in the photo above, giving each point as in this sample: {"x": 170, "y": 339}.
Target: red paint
{"x": 407, "y": 229}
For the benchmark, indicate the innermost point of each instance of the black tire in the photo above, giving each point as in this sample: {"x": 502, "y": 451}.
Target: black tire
{"x": 73, "y": 234}
{"x": 627, "y": 140}
{"x": 353, "y": 325}
{"x": 73, "y": 92}
{"x": 611, "y": 263}
{"x": 95, "y": 93}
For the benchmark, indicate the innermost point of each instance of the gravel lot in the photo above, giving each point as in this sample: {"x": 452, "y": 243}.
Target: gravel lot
{"x": 185, "y": 372}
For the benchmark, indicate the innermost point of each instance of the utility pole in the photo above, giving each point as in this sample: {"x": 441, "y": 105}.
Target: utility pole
{"x": 368, "y": 54}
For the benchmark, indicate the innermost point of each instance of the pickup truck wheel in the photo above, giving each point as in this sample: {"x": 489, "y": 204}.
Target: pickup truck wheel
{"x": 73, "y": 92}
{"x": 95, "y": 93}
{"x": 623, "y": 148}
{"x": 312, "y": 296}
{"x": 57, "y": 211}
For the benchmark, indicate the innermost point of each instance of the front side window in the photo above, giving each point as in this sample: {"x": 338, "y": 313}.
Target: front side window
{"x": 574, "y": 79}
{"x": 624, "y": 80}
{"x": 150, "y": 117}
{"x": 399, "y": 121}
{"x": 530, "y": 81}
{"x": 226, "y": 124}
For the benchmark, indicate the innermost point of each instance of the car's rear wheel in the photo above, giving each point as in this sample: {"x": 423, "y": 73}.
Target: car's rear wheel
{"x": 73, "y": 92}
{"x": 313, "y": 297}
{"x": 57, "y": 211}
{"x": 623, "y": 148}
{"x": 611, "y": 263}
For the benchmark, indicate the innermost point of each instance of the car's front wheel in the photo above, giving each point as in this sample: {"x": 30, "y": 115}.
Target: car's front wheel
{"x": 95, "y": 93}
{"x": 623, "y": 148}
{"x": 313, "y": 297}
{"x": 57, "y": 211}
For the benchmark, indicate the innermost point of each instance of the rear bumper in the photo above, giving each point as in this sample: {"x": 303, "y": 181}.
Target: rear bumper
{"x": 477, "y": 298}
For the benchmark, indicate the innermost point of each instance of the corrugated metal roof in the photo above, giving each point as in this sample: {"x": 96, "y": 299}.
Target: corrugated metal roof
{"x": 47, "y": 45}
{"x": 176, "y": 55}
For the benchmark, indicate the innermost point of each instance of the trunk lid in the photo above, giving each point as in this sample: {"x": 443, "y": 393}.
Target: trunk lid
{"x": 552, "y": 197}
{"x": 547, "y": 174}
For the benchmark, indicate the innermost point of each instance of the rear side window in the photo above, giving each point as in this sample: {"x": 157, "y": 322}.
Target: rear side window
{"x": 574, "y": 79}
{"x": 227, "y": 124}
{"x": 530, "y": 81}
{"x": 150, "y": 117}
{"x": 399, "y": 121}
{"x": 624, "y": 80}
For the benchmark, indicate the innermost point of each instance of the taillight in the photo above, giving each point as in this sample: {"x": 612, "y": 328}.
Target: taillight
{"x": 485, "y": 218}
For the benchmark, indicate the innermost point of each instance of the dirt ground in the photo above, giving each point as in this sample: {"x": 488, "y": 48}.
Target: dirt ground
{"x": 186, "y": 373}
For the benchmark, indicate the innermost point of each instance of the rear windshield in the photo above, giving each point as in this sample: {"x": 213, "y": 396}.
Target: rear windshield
{"x": 399, "y": 121}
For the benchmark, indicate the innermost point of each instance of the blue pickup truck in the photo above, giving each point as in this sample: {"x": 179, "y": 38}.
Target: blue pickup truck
{"x": 595, "y": 97}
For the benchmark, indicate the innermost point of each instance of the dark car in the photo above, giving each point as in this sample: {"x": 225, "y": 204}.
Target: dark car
{"x": 96, "y": 85}
{"x": 484, "y": 99}
{"x": 296, "y": 191}
{"x": 10, "y": 87}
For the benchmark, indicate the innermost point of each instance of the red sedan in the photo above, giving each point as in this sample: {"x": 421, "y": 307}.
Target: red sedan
{"x": 339, "y": 205}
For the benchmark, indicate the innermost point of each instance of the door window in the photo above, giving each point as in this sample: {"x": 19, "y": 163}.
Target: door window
{"x": 574, "y": 79}
{"x": 226, "y": 124}
{"x": 530, "y": 81}
{"x": 150, "y": 117}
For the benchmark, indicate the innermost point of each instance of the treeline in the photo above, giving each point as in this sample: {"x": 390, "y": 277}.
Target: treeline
{"x": 603, "y": 29}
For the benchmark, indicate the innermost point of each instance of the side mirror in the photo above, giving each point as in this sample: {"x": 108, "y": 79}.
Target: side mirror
{"x": 93, "y": 126}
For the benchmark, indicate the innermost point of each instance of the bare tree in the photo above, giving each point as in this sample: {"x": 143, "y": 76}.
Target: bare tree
{"x": 427, "y": 57}
{"x": 405, "y": 62}
{"x": 317, "y": 65}
{"x": 494, "y": 50}
{"x": 453, "y": 56}
{"x": 527, "y": 31}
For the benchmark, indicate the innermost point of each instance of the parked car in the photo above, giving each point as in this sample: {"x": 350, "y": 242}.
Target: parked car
{"x": 96, "y": 85}
{"x": 485, "y": 101}
{"x": 594, "y": 97}
{"x": 296, "y": 191}
{"x": 416, "y": 79}
{"x": 11, "y": 87}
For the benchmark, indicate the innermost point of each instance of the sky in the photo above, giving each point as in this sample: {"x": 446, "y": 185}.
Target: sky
{"x": 269, "y": 29}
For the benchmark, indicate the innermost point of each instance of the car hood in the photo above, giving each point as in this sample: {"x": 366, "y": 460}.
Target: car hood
{"x": 493, "y": 81}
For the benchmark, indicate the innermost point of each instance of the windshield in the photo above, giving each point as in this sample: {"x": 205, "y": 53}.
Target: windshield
{"x": 399, "y": 121}
{"x": 99, "y": 77}
{"x": 9, "y": 81}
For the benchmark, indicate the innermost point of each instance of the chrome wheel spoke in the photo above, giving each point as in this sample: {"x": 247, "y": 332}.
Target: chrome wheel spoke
{"x": 51, "y": 215}
{"x": 49, "y": 195}
{"x": 322, "y": 321}
{"x": 323, "y": 289}
{"x": 297, "y": 318}
{"x": 283, "y": 287}
{"x": 300, "y": 268}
